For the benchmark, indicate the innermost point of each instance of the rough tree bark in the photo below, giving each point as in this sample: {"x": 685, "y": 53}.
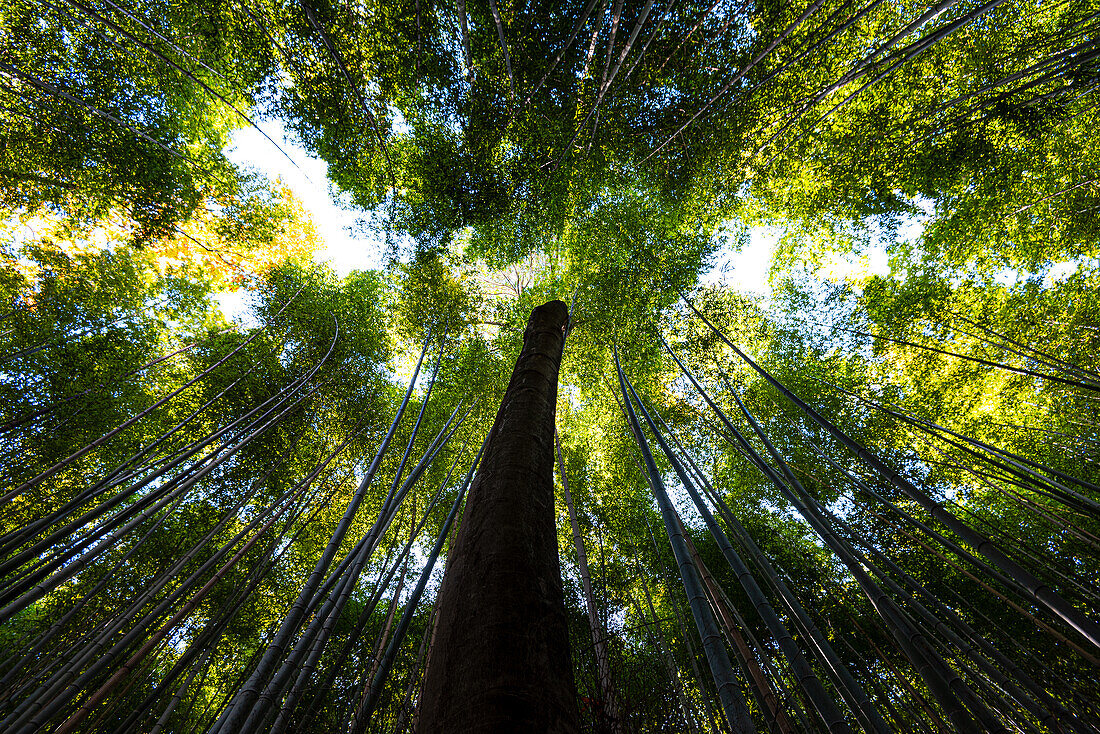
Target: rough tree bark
{"x": 500, "y": 661}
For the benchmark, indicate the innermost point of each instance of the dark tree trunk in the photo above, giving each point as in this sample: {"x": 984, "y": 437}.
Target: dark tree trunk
{"x": 500, "y": 660}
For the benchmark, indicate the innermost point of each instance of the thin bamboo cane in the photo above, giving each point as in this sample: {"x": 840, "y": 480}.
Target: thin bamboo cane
{"x": 1040, "y": 592}
{"x": 733, "y": 703}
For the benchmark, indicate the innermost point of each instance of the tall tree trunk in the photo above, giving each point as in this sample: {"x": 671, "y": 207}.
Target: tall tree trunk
{"x": 500, "y": 661}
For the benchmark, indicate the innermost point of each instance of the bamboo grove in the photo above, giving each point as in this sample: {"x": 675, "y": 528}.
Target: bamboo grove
{"x": 865, "y": 501}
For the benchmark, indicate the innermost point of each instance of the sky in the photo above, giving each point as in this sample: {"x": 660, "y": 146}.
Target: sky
{"x": 345, "y": 247}
{"x": 344, "y": 250}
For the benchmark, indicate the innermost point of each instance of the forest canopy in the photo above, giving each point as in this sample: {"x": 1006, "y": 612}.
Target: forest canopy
{"x": 849, "y": 498}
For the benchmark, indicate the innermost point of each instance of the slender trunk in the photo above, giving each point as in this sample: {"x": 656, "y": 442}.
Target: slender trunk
{"x": 1019, "y": 466}
{"x": 504, "y": 49}
{"x": 334, "y": 52}
{"x": 946, "y": 686}
{"x": 501, "y": 658}
{"x": 10, "y": 541}
{"x": 607, "y": 79}
{"x": 740, "y": 74}
{"x": 206, "y": 641}
{"x": 850, "y": 689}
{"x": 616, "y": 16}
{"x": 407, "y": 711}
{"x": 1049, "y": 712}
{"x": 722, "y": 606}
{"x": 336, "y": 666}
{"x": 733, "y": 703}
{"x": 820, "y": 698}
{"x": 233, "y": 717}
{"x": 1088, "y": 656}
{"x": 383, "y": 638}
{"x": 131, "y": 421}
{"x": 592, "y": 42}
{"x": 1084, "y": 383}
{"x": 311, "y": 644}
{"x": 599, "y": 634}
{"x": 709, "y": 715}
{"x": 1039, "y": 591}
{"x": 1056, "y": 362}
{"x": 106, "y": 689}
{"x": 40, "y": 409}
{"x": 385, "y": 664}
{"x": 54, "y": 694}
{"x": 687, "y": 36}
{"x": 75, "y": 566}
{"x": 666, "y": 654}
{"x": 463, "y": 26}
{"x": 568, "y": 44}
{"x": 178, "y": 695}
